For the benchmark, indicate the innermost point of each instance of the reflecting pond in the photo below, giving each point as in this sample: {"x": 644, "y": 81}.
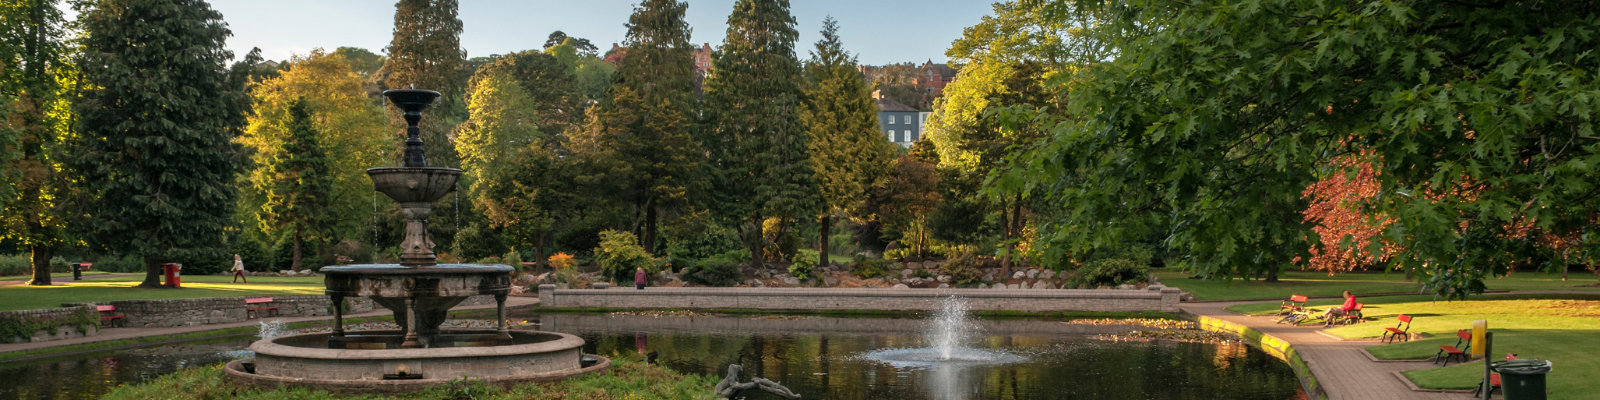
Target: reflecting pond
{"x": 818, "y": 357}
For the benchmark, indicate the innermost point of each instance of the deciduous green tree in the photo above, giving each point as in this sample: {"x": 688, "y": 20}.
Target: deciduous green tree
{"x": 348, "y": 126}
{"x": 841, "y": 120}
{"x": 752, "y": 133}
{"x": 156, "y": 119}
{"x": 1221, "y": 113}
{"x": 34, "y": 53}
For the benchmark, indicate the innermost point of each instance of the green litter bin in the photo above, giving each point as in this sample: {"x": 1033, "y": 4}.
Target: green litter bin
{"x": 1523, "y": 379}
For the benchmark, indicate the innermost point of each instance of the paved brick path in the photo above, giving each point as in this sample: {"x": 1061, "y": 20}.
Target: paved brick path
{"x": 133, "y": 333}
{"x": 1345, "y": 373}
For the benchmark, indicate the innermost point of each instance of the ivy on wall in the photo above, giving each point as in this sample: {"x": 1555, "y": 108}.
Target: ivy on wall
{"x": 23, "y": 327}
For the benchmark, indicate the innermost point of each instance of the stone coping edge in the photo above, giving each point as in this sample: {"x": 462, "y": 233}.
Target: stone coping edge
{"x": 874, "y": 292}
{"x": 272, "y": 348}
{"x": 1413, "y": 386}
{"x": 236, "y": 374}
{"x": 1374, "y": 358}
{"x": 1272, "y": 345}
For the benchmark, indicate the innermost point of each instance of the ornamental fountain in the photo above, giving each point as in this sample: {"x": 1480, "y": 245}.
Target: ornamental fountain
{"x": 419, "y": 292}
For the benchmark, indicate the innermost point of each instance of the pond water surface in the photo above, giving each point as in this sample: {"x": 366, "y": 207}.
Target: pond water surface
{"x": 817, "y": 357}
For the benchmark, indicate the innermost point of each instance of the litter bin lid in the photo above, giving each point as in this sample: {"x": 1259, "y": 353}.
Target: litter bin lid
{"x": 1523, "y": 367}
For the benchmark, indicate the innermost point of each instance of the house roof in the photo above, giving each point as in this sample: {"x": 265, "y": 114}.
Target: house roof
{"x": 945, "y": 70}
{"x": 887, "y": 104}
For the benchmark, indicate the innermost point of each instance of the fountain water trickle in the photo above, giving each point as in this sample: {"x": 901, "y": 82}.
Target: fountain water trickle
{"x": 950, "y": 327}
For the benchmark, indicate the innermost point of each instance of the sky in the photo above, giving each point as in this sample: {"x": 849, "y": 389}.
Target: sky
{"x": 877, "y": 31}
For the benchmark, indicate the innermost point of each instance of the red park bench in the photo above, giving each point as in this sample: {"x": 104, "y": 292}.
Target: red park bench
{"x": 1463, "y": 339}
{"x": 1295, "y": 303}
{"x": 1353, "y": 316}
{"x": 106, "y": 316}
{"x": 259, "y": 304}
{"x": 1392, "y": 334}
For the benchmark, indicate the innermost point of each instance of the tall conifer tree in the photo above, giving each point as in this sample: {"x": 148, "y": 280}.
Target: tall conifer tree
{"x": 302, "y": 185}
{"x": 426, "y": 53}
{"x": 643, "y": 128}
{"x": 753, "y": 133}
{"x": 841, "y": 119}
{"x": 33, "y": 56}
{"x": 155, "y": 128}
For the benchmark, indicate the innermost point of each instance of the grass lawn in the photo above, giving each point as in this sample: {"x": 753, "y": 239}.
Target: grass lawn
{"x": 23, "y": 297}
{"x": 1319, "y": 284}
{"x": 54, "y": 277}
{"x": 1563, "y": 328}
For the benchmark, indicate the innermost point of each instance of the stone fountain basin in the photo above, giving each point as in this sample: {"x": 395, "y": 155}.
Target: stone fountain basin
{"x": 414, "y": 184}
{"x": 398, "y": 281}
{"x": 299, "y": 360}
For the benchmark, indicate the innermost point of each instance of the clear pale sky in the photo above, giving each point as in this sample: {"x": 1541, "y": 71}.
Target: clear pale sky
{"x": 877, "y": 31}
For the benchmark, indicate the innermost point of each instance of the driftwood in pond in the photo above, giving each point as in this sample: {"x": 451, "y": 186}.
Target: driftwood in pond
{"x": 730, "y": 386}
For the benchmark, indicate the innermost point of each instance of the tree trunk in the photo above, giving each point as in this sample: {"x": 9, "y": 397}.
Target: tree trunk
{"x": 1272, "y": 275}
{"x": 295, "y": 265}
{"x": 825, "y": 228}
{"x": 756, "y": 242}
{"x": 152, "y": 272}
{"x": 651, "y": 214}
{"x": 538, "y": 251}
{"x": 41, "y": 264}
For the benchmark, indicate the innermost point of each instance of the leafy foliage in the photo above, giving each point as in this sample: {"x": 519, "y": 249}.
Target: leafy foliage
{"x": 36, "y": 115}
{"x": 562, "y": 260}
{"x": 1110, "y": 272}
{"x": 718, "y": 272}
{"x": 751, "y": 131}
{"x": 300, "y": 183}
{"x": 155, "y": 145}
{"x": 868, "y": 268}
{"x": 619, "y": 256}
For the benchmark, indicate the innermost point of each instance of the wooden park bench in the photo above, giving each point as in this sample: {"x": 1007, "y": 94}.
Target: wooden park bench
{"x": 1391, "y": 334}
{"x": 259, "y": 304}
{"x": 1463, "y": 339}
{"x": 107, "y": 318}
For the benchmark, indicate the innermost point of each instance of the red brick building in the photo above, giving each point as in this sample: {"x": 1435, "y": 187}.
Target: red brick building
{"x": 934, "y": 77}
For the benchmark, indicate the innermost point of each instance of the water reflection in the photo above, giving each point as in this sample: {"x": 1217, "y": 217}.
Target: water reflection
{"x": 92, "y": 375}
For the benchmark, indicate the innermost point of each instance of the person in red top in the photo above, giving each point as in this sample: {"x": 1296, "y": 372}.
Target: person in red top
{"x": 1349, "y": 304}
{"x": 639, "y": 278}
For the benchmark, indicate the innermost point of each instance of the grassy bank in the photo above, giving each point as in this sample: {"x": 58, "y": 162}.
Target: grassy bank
{"x": 1563, "y": 328}
{"x": 1319, "y": 284}
{"x": 628, "y": 379}
{"x": 24, "y": 297}
{"x": 1002, "y": 314}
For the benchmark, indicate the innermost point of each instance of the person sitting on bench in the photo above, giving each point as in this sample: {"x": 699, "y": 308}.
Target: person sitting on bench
{"x": 1349, "y": 304}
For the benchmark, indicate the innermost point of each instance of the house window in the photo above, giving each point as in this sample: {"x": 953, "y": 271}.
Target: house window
{"x": 891, "y": 120}
{"x": 908, "y": 120}
{"x": 908, "y": 136}
{"x": 890, "y": 133}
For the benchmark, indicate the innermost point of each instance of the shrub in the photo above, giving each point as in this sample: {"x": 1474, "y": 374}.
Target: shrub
{"x": 129, "y": 264}
{"x": 562, "y": 261}
{"x": 513, "y": 259}
{"x": 783, "y": 247}
{"x": 962, "y": 267}
{"x": 619, "y": 255}
{"x": 804, "y": 262}
{"x": 868, "y": 268}
{"x": 899, "y": 254}
{"x": 1111, "y": 272}
{"x": 713, "y": 272}
{"x": 15, "y": 265}
{"x": 696, "y": 237}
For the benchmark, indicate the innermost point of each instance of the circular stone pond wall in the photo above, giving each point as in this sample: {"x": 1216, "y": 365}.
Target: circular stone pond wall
{"x": 305, "y": 361}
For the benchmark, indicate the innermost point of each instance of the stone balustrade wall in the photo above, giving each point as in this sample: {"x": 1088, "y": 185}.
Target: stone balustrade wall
{"x": 1153, "y": 298}
{"x": 64, "y": 331}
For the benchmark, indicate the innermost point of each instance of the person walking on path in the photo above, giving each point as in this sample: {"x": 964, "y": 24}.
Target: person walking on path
{"x": 238, "y": 269}
{"x": 639, "y": 278}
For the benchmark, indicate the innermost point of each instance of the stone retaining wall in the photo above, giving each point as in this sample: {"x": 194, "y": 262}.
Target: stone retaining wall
{"x": 223, "y": 310}
{"x": 1274, "y": 346}
{"x": 1154, "y": 298}
{"x": 65, "y": 331}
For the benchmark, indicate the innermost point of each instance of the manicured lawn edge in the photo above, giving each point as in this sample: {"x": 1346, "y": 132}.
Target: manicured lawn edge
{"x": 1274, "y": 346}
{"x": 1001, "y": 314}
